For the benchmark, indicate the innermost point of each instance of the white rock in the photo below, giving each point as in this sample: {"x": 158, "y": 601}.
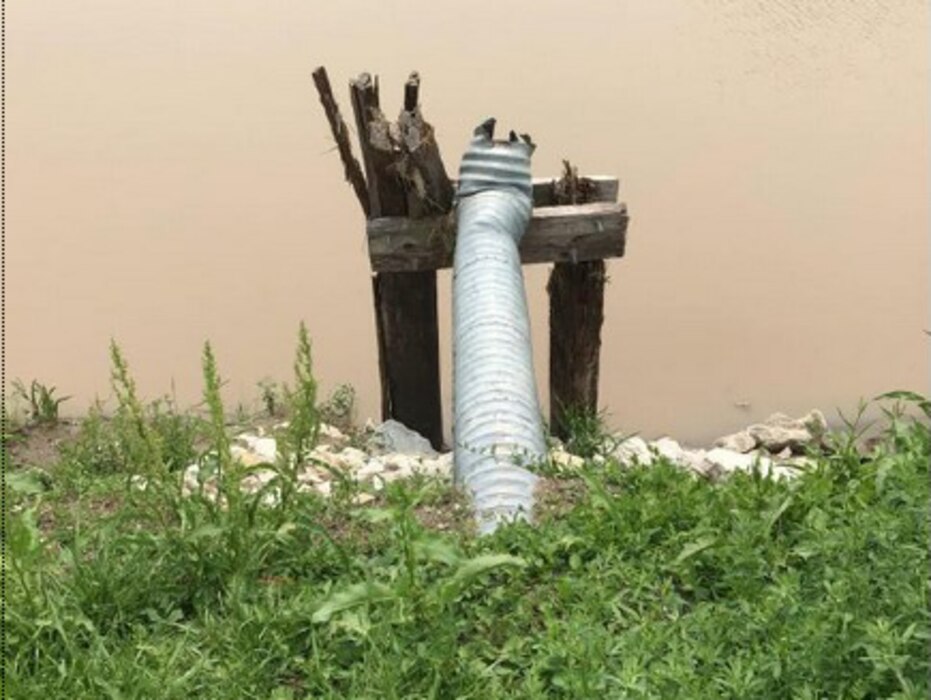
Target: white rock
{"x": 779, "y": 431}
{"x": 211, "y": 492}
{"x": 633, "y": 450}
{"x": 360, "y": 499}
{"x": 190, "y": 480}
{"x": 741, "y": 442}
{"x": 139, "y": 482}
{"x": 729, "y": 461}
{"x": 263, "y": 447}
{"x": 271, "y": 498}
{"x": 371, "y": 468}
{"x": 256, "y": 480}
{"x": 668, "y": 448}
{"x": 309, "y": 475}
{"x": 815, "y": 422}
{"x": 324, "y": 488}
{"x": 401, "y": 466}
{"x": 442, "y": 466}
{"x": 394, "y": 436}
{"x": 333, "y": 435}
{"x": 784, "y": 471}
{"x": 796, "y": 466}
{"x": 323, "y": 454}
{"x": 564, "y": 459}
{"x": 352, "y": 459}
{"x": 246, "y": 457}
{"x": 693, "y": 460}
{"x": 775, "y": 438}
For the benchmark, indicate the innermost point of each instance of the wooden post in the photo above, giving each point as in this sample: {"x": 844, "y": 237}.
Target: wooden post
{"x": 576, "y": 292}
{"x": 405, "y": 178}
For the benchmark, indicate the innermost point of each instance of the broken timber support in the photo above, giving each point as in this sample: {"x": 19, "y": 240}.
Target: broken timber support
{"x": 576, "y": 291}
{"x": 404, "y": 176}
{"x": 407, "y": 197}
{"x": 570, "y": 233}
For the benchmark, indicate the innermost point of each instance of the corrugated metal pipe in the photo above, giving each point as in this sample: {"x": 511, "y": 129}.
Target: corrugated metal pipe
{"x": 497, "y": 423}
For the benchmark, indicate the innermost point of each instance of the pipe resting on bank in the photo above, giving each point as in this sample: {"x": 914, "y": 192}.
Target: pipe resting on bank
{"x": 497, "y": 423}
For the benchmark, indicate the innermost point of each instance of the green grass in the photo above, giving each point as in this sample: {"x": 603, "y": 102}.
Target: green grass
{"x": 40, "y": 400}
{"x": 653, "y": 585}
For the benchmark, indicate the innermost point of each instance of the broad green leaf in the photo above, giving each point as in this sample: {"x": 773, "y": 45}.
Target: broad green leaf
{"x": 23, "y": 535}
{"x": 28, "y": 483}
{"x": 354, "y": 622}
{"x": 205, "y": 532}
{"x": 883, "y": 466}
{"x": 352, "y": 597}
{"x": 921, "y": 401}
{"x": 286, "y": 529}
{"x": 377, "y": 515}
{"x": 567, "y": 542}
{"x": 776, "y": 514}
{"x": 804, "y": 551}
{"x": 437, "y": 550}
{"x": 479, "y": 565}
{"x": 693, "y": 548}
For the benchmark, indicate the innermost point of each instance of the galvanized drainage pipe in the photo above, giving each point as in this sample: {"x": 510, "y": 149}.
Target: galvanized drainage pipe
{"x": 497, "y": 424}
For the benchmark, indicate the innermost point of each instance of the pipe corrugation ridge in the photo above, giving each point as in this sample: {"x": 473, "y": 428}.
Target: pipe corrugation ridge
{"x": 497, "y": 424}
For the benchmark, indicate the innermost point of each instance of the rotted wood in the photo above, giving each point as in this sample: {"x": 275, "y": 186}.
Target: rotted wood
{"x": 547, "y": 192}
{"x": 429, "y": 189}
{"x": 602, "y": 188}
{"x": 353, "y": 171}
{"x": 406, "y": 178}
{"x": 576, "y": 291}
{"x": 385, "y": 189}
{"x": 570, "y": 233}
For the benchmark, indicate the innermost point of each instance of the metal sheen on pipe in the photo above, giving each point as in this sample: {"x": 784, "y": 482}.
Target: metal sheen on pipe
{"x": 497, "y": 424}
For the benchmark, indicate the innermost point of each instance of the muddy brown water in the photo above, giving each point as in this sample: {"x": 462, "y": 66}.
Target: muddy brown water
{"x": 171, "y": 179}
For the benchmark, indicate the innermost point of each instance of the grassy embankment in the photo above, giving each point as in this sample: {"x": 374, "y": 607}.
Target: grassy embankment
{"x": 638, "y": 583}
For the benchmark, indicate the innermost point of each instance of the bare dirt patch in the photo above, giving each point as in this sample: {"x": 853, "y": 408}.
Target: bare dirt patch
{"x": 556, "y": 496}
{"x": 450, "y": 513}
{"x": 40, "y": 445}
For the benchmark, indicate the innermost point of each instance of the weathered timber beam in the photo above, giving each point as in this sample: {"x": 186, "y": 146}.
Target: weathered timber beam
{"x": 571, "y": 233}
{"x": 603, "y": 188}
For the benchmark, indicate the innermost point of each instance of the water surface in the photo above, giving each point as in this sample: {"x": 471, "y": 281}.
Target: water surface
{"x": 171, "y": 179}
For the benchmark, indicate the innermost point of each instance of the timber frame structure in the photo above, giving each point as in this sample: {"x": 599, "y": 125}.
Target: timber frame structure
{"x": 408, "y": 198}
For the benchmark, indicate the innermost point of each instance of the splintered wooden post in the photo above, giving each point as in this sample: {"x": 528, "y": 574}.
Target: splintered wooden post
{"x": 576, "y": 292}
{"x": 340, "y": 132}
{"x": 405, "y": 178}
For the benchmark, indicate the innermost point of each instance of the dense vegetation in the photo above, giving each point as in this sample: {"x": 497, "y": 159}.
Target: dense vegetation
{"x": 643, "y": 583}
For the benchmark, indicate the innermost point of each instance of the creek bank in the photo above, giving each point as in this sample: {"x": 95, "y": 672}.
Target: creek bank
{"x": 383, "y": 453}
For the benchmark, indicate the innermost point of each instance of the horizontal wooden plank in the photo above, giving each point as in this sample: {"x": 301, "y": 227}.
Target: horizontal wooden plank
{"x": 604, "y": 189}
{"x": 556, "y": 234}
